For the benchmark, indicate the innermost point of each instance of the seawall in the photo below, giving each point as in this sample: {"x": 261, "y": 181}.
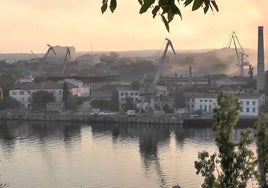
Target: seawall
{"x": 118, "y": 119}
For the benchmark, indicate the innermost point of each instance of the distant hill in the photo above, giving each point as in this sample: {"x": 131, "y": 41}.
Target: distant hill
{"x": 202, "y": 62}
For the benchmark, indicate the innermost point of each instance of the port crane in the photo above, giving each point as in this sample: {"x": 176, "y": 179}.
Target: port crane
{"x": 148, "y": 90}
{"x": 1, "y": 94}
{"x": 241, "y": 55}
{"x": 44, "y": 60}
{"x": 66, "y": 59}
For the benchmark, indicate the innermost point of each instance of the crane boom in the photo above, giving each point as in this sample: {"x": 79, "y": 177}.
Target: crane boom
{"x": 1, "y": 94}
{"x": 161, "y": 65}
{"x": 67, "y": 56}
{"x": 240, "y": 53}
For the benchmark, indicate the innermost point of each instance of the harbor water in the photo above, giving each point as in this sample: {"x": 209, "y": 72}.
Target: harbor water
{"x": 68, "y": 155}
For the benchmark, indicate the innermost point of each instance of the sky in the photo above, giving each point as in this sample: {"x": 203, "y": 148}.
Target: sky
{"x": 30, "y": 25}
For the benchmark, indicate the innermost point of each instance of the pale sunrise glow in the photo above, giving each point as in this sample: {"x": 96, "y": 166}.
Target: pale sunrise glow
{"x": 30, "y": 25}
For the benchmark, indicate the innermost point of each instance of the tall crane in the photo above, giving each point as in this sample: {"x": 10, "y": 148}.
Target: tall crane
{"x": 161, "y": 65}
{"x": 240, "y": 54}
{"x": 44, "y": 61}
{"x": 1, "y": 94}
{"x": 148, "y": 90}
{"x": 66, "y": 59}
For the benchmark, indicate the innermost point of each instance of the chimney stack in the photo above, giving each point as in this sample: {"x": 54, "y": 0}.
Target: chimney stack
{"x": 260, "y": 61}
{"x": 190, "y": 74}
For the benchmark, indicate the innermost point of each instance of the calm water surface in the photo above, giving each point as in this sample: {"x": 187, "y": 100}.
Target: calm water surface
{"x": 63, "y": 155}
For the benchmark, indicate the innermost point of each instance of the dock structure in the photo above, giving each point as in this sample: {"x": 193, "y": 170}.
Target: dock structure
{"x": 163, "y": 120}
{"x": 136, "y": 120}
{"x": 114, "y": 119}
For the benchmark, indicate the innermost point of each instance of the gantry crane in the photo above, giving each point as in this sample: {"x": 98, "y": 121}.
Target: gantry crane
{"x": 66, "y": 59}
{"x": 148, "y": 90}
{"x": 241, "y": 55}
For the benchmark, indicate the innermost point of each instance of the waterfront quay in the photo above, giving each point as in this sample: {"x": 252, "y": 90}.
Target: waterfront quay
{"x": 119, "y": 119}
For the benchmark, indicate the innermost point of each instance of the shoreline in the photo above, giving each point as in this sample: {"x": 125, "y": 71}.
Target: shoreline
{"x": 120, "y": 119}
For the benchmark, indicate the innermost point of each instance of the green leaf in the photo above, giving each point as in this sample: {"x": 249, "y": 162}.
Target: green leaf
{"x": 215, "y": 5}
{"x": 177, "y": 11}
{"x": 170, "y": 15}
{"x": 165, "y": 22}
{"x": 197, "y": 4}
{"x": 187, "y": 2}
{"x": 207, "y": 5}
{"x": 146, "y": 5}
{"x": 155, "y": 10}
{"x": 103, "y": 7}
{"x": 113, "y": 5}
{"x": 140, "y": 1}
{"x": 206, "y": 8}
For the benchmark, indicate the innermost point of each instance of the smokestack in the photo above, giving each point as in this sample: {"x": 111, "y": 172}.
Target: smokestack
{"x": 260, "y": 61}
{"x": 190, "y": 74}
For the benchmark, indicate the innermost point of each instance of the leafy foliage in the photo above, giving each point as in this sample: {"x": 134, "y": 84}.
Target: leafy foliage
{"x": 9, "y": 102}
{"x": 110, "y": 105}
{"x": 261, "y": 134}
{"x": 114, "y": 103}
{"x": 6, "y": 82}
{"x": 234, "y": 164}
{"x": 40, "y": 100}
{"x": 167, "y": 9}
{"x": 71, "y": 102}
{"x": 135, "y": 85}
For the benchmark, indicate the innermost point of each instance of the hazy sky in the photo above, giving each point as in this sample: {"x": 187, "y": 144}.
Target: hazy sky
{"x": 30, "y": 25}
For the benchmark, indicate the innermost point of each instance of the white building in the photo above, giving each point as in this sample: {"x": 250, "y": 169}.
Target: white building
{"x": 23, "y": 92}
{"x": 250, "y": 103}
{"x": 123, "y": 94}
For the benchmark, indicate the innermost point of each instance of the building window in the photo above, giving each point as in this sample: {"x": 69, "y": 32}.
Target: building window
{"x": 29, "y": 92}
{"x": 21, "y": 92}
{"x": 200, "y": 107}
{"x": 210, "y": 100}
{"x": 253, "y": 110}
{"x": 131, "y": 93}
{"x": 136, "y": 93}
{"x": 253, "y": 102}
{"x": 122, "y": 94}
{"x": 247, "y": 102}
{"x": 205, "y": 100}
{"x": 14, "y": 93}
{"x": 201, "y": 100}
{"x": 247, "y": 109}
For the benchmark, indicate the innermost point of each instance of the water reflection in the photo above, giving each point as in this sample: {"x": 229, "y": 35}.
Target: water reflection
{"x": 52, "y": 153}
{"x": 12, "y": 131}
